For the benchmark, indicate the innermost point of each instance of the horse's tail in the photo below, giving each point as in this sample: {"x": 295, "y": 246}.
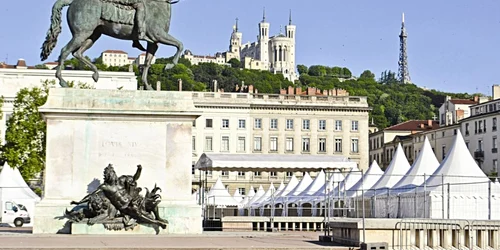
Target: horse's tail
{"x": 55, "y": 28}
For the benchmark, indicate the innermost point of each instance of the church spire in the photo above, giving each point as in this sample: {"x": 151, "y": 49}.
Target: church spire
{"x": 290, "y": 18}
{"x": 264, "y": 15}
{"x": 236, "y": 26}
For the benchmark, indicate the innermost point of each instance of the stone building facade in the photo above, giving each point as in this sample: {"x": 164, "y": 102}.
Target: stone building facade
{"x": 291, "y": 122}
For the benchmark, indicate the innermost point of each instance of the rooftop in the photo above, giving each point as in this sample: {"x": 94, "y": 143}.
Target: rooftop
{"x": 463, "y": 101}
{"x": 115, "y": 51}
{"x": 415, "y": 125}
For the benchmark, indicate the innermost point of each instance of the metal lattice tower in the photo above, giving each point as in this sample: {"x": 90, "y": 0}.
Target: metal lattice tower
{"x": 403, "y": 72}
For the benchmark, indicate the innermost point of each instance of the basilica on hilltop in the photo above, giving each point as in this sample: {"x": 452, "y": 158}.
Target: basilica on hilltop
{"x": 272, "y": 53}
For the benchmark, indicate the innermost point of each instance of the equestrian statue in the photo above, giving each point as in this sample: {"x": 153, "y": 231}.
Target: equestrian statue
{"x": 134, "y": 20}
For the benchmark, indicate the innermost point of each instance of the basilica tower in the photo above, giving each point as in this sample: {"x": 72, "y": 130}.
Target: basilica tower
{"x": 264, "y": 42}
{"x": 290, "y": 33}
{"x": 235, "y": 43}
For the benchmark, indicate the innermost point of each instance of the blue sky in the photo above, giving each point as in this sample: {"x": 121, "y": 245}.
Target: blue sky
{"x": 452, "y": 45}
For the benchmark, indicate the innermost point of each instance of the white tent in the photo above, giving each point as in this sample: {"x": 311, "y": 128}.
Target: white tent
{"x": 318, "y": 182}
{"x": 398, "y": 167}
{"x": 14, "y": 188}
{"x": 458, "y": 189}
{"x": 303, "y": 184}
{"x": 425, "y": 165}
{"x": 267, "y": 195}
{"x": 458, "y": 168}
{"x": 369, "y": 179}
{"x": 289, "y": 187}
{"x": 237, "y": 196}
{"x": 336, "y": 178}
{"x": 219, "y": 196}
{"x": 350, "y": 180}
{"x": 260, "y": 192}
{"x": 248, "y": 197}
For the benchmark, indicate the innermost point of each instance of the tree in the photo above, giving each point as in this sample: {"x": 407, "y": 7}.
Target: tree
{"x": 26, "y": 131}
{"x": 368, "y": 75}
{"x": 41, "y": 66}
{"x": 302, "y": 69}
{"x": 235, "y": 63}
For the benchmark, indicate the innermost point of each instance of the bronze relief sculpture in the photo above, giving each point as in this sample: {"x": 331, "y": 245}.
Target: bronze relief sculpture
{"x": 118, "y": 204}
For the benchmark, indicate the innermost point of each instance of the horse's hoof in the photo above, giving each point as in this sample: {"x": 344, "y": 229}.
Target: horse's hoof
{"x": 95, "y": 76}
{"x": 63, "y": 84}
{"x": 169, "y": 66}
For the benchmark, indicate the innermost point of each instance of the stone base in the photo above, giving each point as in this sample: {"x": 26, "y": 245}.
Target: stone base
{"x": 99, "y": 229}
{"x": 183, "y": 218}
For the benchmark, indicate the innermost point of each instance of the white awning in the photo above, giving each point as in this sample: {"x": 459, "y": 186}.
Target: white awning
{"x": 256, "y": 161}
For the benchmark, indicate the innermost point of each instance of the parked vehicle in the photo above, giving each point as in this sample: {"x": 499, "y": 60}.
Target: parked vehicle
{"x": 13, "y": 213}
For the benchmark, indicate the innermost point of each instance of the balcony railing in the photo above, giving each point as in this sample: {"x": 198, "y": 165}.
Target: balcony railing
{"x": 479, "y": 154}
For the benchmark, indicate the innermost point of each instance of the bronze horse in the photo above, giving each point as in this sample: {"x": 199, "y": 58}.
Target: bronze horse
{"x": 87, "y": 22}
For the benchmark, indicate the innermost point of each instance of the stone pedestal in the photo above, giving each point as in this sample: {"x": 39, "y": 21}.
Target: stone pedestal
{"x": 88, "y": 129}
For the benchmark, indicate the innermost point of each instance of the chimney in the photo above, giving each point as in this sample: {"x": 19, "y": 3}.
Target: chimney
{"x": 429, "y": 123}
{"x": 21, "y": 64}
{"x": 158, "y": 86}
{"x": 180, "y": 84}
{"x": 422, "y": 125}
{"x": 325, "y": 92}
{"x": 290, "y": 90}
{"x": 215, "y": 86}
{"x": 298, "y": 91}
{"x": 476, "y": 99}
{"x": 250, "y": 89}
{"x": 496, "y": 92}
{"x": 282, "y": 91}
{"x": 311, "y": 91}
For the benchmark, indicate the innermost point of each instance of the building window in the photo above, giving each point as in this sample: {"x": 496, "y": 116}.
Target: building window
{"x": 467, "y": 144}
{"x": 306, "y": 124}
{"x": 241, "y": 191}
{"x": 443, "y": 150}
{"x": 257, "y": 174}
{"x": 289, "y": 174}
{"x": 241, "y": 173}
{"x": 494, "y": 142}
{"x": 224, "y": 173}
{"x": 322, "y": 125}
{"x": 192, "y": 168}
{"x": 289, "y": 123}
{"x": 443, "y": 134}
{"x": 208, "y": 143}
{"x": 480, "y": 145}
{"x": 354, "y": 125}
{"x": 273, "y": 174}
{"x": 494, "y": 121}
{"x": 338, "y": 125}
{"x": 289, "y": 144}
{"x": 257, "y": 123}
{"x": 241, "y": 144}
{"x": 194, "y": 143}
{"x": 224, "y": 144}
{"x": 338, "y": 145}
{"x": 208, "y": 123}
{"x": 467, "y": 129}
{"x": 273, "y": 144}
{"x": 322, "y": 145}
{"x": 225, "y": 123}
{"x": 432, "y": 136}
{"x": 274, "y": 124}
{"x": 495, "y": 166}
{"x": 305, "y": 144}
{"x": 257, "y": 144}
{"x": 354, "y": 145}
{"x": 241, "y": 123}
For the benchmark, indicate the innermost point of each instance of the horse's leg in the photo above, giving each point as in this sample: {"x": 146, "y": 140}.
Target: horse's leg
{"x": 151, "y": 51}
{"x": 73, "y": 45}
{"x": 167, "y": 39}
{"x": 85, "y": 46}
